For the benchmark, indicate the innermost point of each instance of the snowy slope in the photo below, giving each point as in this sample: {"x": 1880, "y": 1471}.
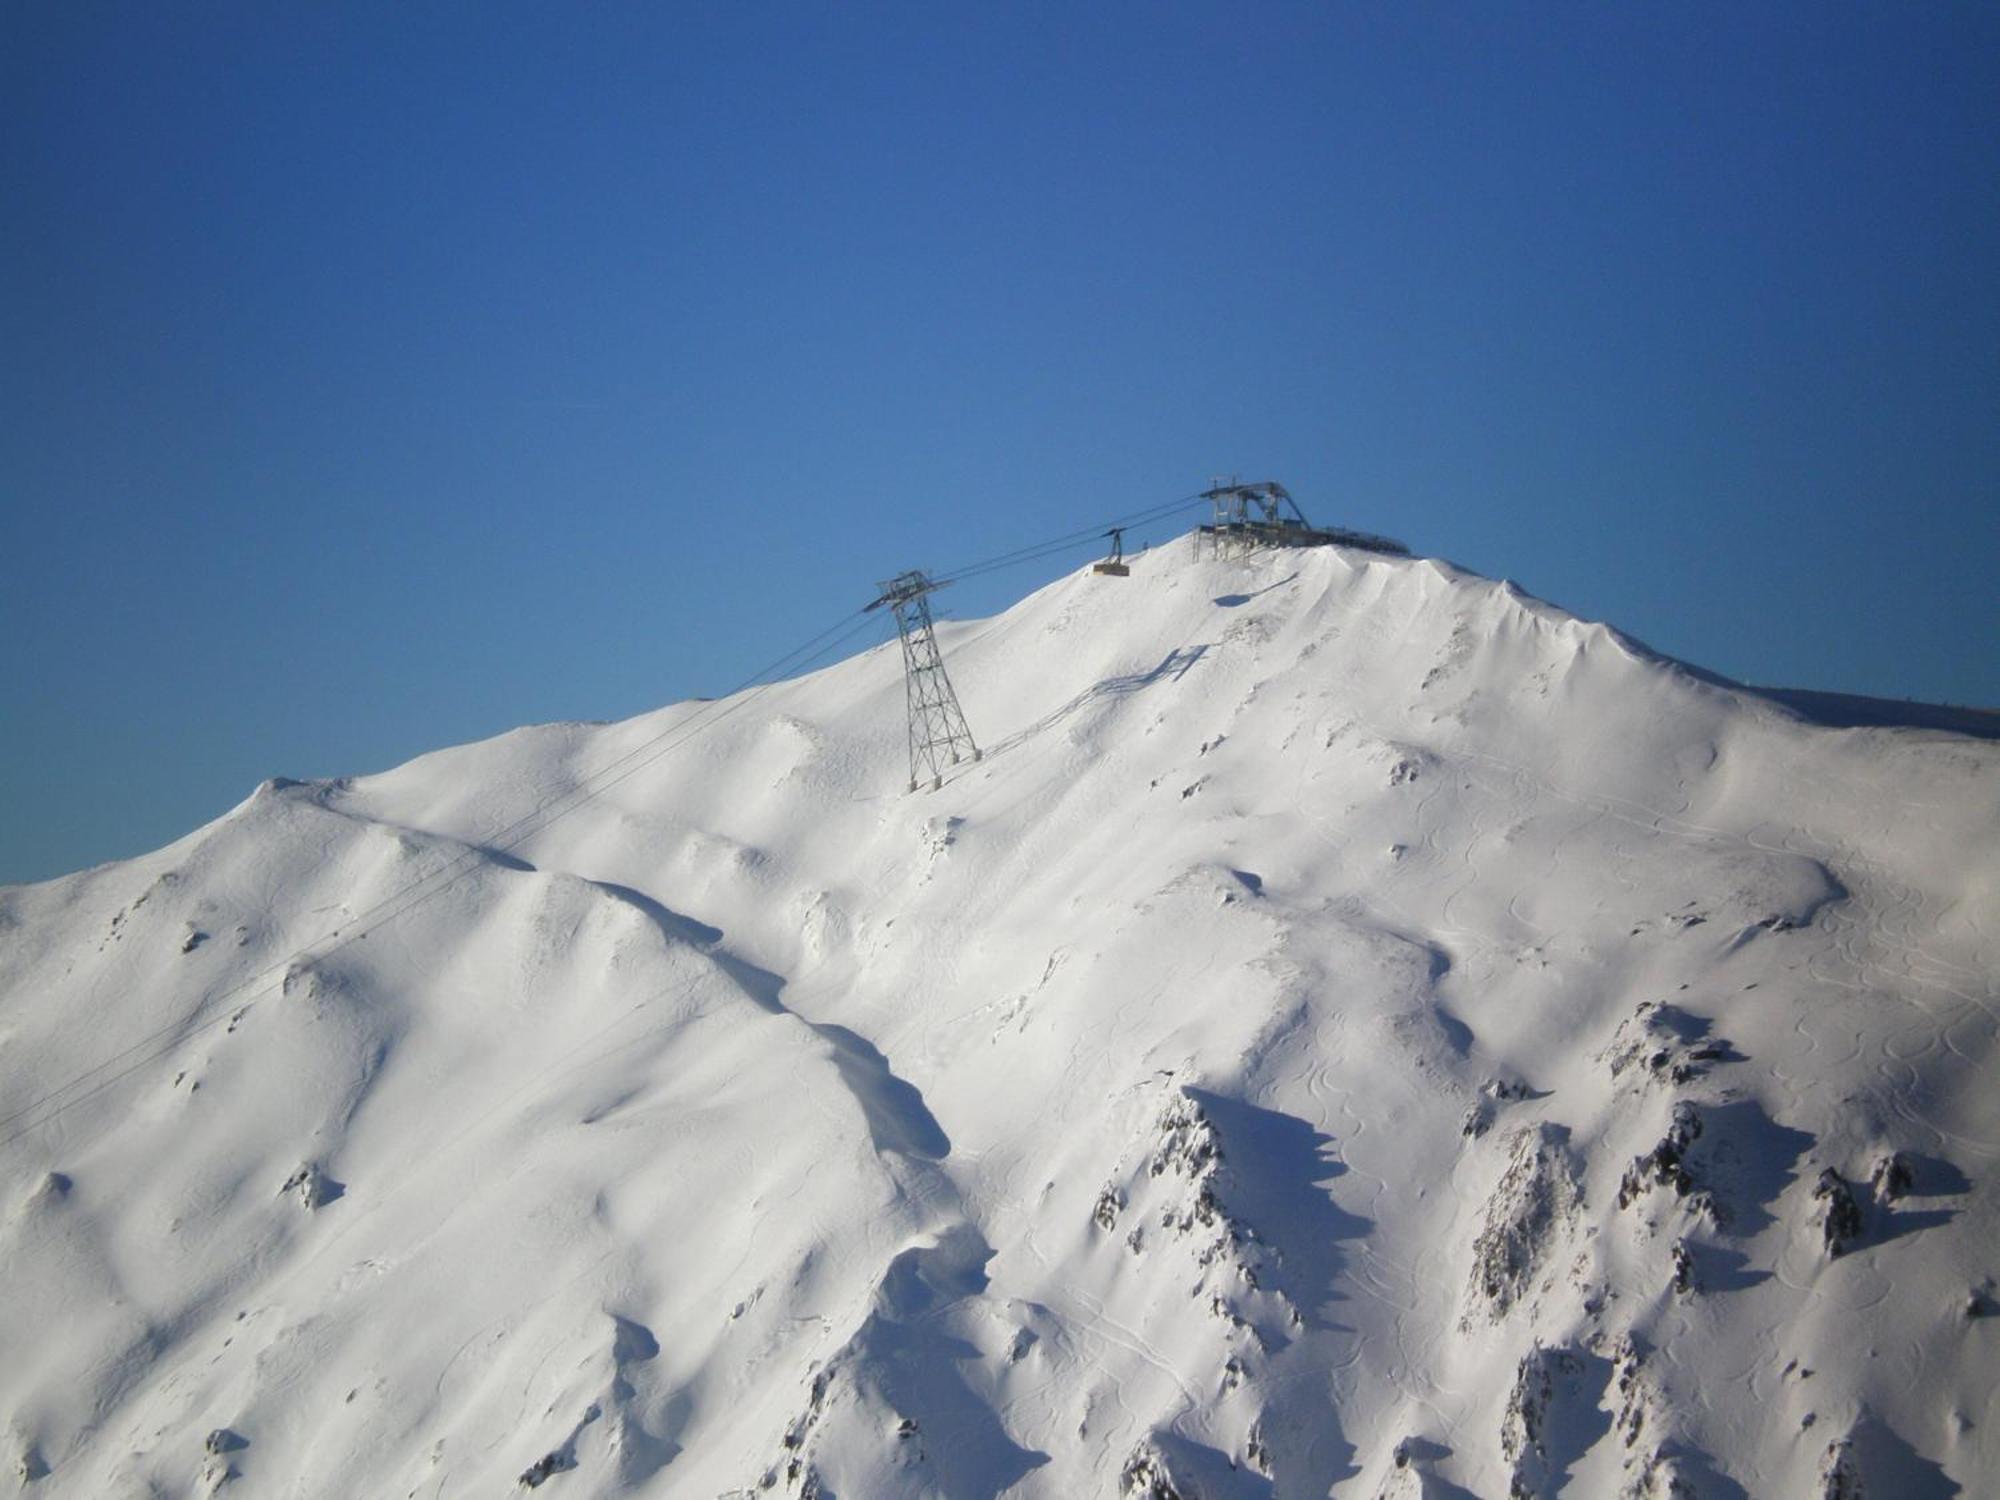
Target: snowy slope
{"x": 1359, "y": 1030}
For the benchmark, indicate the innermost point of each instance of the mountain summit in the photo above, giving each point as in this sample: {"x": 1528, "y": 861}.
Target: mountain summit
{"x": 1359, "y": 1030}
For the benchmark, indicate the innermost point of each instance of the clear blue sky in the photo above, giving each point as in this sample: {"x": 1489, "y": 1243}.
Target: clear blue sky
{"x": 381, "y": 376}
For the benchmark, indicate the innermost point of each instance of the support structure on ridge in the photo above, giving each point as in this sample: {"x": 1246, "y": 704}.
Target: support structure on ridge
{"x": 1251, "y": 517}
{"x": 938, "y": 733}
{"x": 1115, "y": 565}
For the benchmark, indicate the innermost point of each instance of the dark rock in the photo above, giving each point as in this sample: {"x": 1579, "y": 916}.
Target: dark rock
{"x": 1663, "y": 1041}
{"x": 1188, "y": 1140}
{"x": 1839, "y": 1214}
{"x": 1892, "y": 1178}
{"x": 1666, "y": 1164}
{"x": 1542, "y": 1430}
{"x": 1233, "y": 1372}
{"x": 315, "y": 1189}
{"x": 1683, "y": 1268}
{"x": 1493, "y": 1093}
{"x": 1534, "y": 1200}
{"x": 1109, "y": 1202}
{"x": 1839, "y": 1473}
{"x": 1145, "y": 1477}
{"x": 1256, "y": 1452}
{"x": 1658, "y": 1477}
{"x": 1627, "y": 1358}
{"x": 546, "y": 1467}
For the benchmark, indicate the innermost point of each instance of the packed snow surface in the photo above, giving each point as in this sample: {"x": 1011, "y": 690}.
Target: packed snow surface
{"x": 1358, "y": 1030}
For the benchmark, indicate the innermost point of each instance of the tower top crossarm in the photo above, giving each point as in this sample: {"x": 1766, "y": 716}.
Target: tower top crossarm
{"x": 905, "y": 587}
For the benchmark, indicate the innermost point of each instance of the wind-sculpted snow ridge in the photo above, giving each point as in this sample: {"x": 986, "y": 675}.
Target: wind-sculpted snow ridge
{"x": 1358, "y": 1031}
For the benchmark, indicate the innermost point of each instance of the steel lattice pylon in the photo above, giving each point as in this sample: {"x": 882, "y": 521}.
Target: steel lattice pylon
{"x": 938, "y": 733}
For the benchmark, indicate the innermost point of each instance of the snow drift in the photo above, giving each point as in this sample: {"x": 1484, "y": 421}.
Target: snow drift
{"x": 1359, "y": 1030}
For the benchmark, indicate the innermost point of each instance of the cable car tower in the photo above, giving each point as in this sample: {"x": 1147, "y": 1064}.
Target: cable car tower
{"x": 1115, "y": 565}
{"x": 938, "y": 732}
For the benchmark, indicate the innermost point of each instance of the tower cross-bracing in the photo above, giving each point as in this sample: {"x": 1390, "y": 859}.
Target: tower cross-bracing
{"x": 938, "y": 733}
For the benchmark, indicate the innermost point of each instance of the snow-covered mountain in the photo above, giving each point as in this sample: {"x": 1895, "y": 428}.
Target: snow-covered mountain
{"x": 1358, "y": 1030}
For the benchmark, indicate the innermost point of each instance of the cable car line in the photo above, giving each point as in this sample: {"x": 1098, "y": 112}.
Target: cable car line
{"x": 396, "y": 903}
{"x": 162, "y": 1040}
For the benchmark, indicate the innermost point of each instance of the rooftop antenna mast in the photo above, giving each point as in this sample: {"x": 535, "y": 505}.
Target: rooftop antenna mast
{"x": 938, "y": 733}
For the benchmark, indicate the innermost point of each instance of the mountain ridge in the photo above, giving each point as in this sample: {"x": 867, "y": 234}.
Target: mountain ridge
{"x": 1316, "y": 918}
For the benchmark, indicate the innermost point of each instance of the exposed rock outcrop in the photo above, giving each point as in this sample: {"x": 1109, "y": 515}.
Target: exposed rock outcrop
{"x": 1528, "y": 1214}
{"x": 1836, "y": 1212}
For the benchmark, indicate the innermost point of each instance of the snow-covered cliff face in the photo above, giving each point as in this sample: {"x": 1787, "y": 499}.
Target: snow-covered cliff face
{"x": 1358, "y": 1030}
